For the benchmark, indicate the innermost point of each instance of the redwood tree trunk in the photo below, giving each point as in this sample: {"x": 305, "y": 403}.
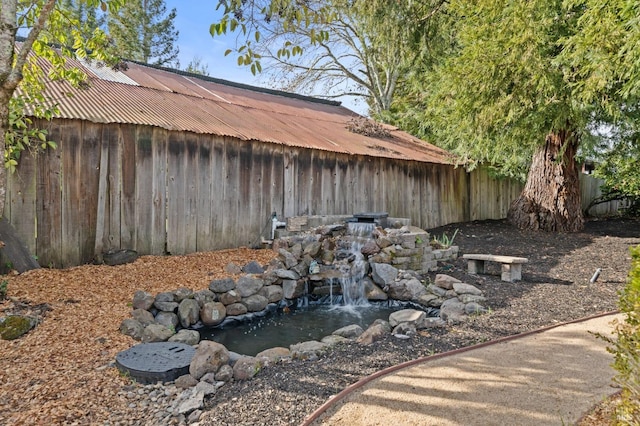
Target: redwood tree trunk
{"x": 550, "y": 200}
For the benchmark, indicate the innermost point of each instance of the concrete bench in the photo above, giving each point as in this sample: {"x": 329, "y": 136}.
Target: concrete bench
{"x": 511, "y": 266}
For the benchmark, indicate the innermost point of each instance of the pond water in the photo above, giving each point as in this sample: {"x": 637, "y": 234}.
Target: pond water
{"x": 284, "y": 328}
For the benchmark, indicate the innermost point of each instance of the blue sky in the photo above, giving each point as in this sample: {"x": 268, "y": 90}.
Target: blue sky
{"x": 193, "y": 19}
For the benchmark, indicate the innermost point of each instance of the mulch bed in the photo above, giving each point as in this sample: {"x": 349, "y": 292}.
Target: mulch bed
{"x": 61, "y": 372}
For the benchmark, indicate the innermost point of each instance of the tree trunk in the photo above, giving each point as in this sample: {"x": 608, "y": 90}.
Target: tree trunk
{"x": 550, "y": 200}
{"x": 4, "y": 126}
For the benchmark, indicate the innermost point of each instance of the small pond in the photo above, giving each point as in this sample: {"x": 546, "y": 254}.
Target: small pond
{"x": 297, "y": 324}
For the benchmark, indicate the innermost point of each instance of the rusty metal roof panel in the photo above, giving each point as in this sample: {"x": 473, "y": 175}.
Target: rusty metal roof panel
{"x": 180, "y": 102}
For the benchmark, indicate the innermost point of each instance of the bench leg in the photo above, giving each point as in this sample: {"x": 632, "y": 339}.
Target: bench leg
{"x": 511, "y": 272}
{"x": 476, "y": 266}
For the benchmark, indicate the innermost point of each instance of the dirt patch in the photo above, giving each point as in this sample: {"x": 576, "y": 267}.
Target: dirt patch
{"x": 61, "y": 371}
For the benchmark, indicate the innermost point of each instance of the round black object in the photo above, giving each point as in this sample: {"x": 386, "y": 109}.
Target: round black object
{"x": 156, "y": 362}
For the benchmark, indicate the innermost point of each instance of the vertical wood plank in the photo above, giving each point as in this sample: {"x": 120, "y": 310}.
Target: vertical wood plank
{"x": 204, "y": 236}
{"x": 290, "y": 183}
{"x": 102, "y": 202}
{"x": 90, "y": 141}
{"x": 111, "y": 134}
{"x": 144, "y": 180}
{"x": 159, "y": 192}
{"x": 128, "y": 237}
{"x": 217, "y": 204}
{"x": 191, "y": 171}
{"x": 72, "y": 202}
{"x": 231, "y": 194}
{"x": 22, "y": 200}
{"x": 176, "y": 221}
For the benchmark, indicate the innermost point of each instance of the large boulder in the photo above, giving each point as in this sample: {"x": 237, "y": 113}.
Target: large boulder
{"x": 14, "y": 326}
{"x": 156, "y": 333}
{"x": 406, "y": 289}
{"x": 246, "y": 367}
{"x": 143, "y": 300}
{"x": 349, "y": 331}
{"x": 143, "y": 316}
{"x": 188, "y": 337}
{"x": 445, "y": 281}
{"x": 308, "y": 350}
{"x": 452, "y": 311}
{"x": 248, "y": 285}
{"x": 255, "y": 303}
{"x": 293, "y": 289}
{"x": 273, "y": 293}
{"x": 213, "y": 313}
{"x": 253, "y": 267}
{"x": 412, "y": 316}
{"x": 167, "y": 319}
{"x": 222, "y": 286}
{"x": 204, "y": 296}
{"x": 462, "y": 288}
{"x": 209, "y": 357}
{"x": 188, "y": 312}
{"x": 383, "y": 274}
{"x": 132, "y": 328}
{"x": 236, "y": 309}
{"x": 376, "y": 331}
{"x": 275, "y": 354}
{"x": 183, "y": 293}
{"x": 230, "y": 297}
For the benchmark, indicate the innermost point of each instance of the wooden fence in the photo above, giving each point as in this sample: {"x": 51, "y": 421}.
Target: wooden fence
{"x": 113, "y": 186}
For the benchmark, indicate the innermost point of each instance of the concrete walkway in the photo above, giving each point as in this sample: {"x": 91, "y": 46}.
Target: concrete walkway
{"x": 548, "y": 377}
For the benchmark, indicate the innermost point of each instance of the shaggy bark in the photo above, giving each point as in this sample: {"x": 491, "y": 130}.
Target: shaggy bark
{"x": 550, "y": 200}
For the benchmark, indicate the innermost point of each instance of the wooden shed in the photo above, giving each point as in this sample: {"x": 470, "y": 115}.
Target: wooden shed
{"x": 166, "y": 162}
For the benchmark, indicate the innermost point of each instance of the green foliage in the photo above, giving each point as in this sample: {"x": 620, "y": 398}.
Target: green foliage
{"x": 196, "y": 66}
{"x": 626, "y": 348}
{"x": 63, "y": 29}
{"x": 144, "y": 31}
{"x": 444, "y": 241}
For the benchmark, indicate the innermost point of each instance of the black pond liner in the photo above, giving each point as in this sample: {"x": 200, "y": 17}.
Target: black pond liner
{"x": 287, "y": 323}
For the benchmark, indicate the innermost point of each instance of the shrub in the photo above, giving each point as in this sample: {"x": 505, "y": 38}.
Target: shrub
{"x": 626, "y": 348}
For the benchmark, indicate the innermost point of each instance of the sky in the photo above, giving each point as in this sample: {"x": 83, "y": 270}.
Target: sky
{"x": 193, "y": 19}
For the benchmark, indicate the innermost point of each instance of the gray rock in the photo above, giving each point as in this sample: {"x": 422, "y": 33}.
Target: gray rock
{"x": 430, "y": 322}
{"x": 471, "y": 298}
{"x": 143, "y": 300}
{"x": 230, "y": 297}
{"x": 224, "y": 374}
{"x": 349, "y": 331}
{"x": 312, "y": 249}
{"x": 186, "y": 381}
{"x": 405, "y": 329}
{"x": 119, "y": 257}
{"x": 474, "y": 308}
{"x": 383, "y": 274}
{"x": 206, "y": 388}
{"x": 275, "y": 354}
{"x": 236, "y": 309}
{"x": 287, "y": 258}
{"x": 308, "y": 350}
{"x": 166, "y": 306}
{"x": 194, "y": 417}
{"x": 438, "y": 291}
{"x": 410, "y": 289}
{"x": 273, "y": 293}
{"x": 143, "y": 316}
{"x": 156, "y": 333}
{"x": 248, "y": 285}
{"x": 430, "y": 300}
{"x": 188, "y": 312}
{"x": 287, "y": 274}
{"x": 372, "y": 291}
{"x": 445, "y": 281}
{"x": 211, "y": 377}
{"x": 370, "y": 248}
{"x": 204, "y": 296}
{"x": 183, "y": 293}
{"x": 194, "y": 401}
{"x": 213, "y": 313}
{"x": 132, "y": 328}
{"x": 293, "y": 289}
{"x": 376, "y": 331}
{"x": 253, "y": 267}
{"x": 188, "y": 337}
{"x": 209, "y": 357}
{"x": 462, "y": 288}
{"x": 246, "y": 367}
{"x": 167, "y": 319}
{"x": 333, "y": 340}
{"x": 221, "y": 286}
{"x": 166, "y": 296}
{"x": 412, "y": 316}
{"x": 233, "y": 269}
{"x": 255, "y": 303}
{"x": 452, "y": 311}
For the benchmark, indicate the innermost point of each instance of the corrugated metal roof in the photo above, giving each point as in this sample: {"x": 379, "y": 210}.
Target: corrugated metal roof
{"x": 183, "y": 102}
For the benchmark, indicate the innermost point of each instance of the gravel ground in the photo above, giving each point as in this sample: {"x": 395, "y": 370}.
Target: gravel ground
{"x": 60, "y": 372}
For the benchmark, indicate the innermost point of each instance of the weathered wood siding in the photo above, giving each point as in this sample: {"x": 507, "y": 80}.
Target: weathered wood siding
{"x": 113, "y": 186}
